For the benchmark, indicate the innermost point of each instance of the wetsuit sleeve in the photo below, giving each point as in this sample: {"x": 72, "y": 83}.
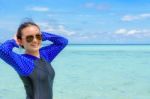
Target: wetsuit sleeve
{"x": 52, "y": 50}
{"x": 20, "y": 63}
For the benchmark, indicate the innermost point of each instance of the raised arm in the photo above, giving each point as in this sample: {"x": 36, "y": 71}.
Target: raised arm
{"x": 20, "y": 63}
{"x": 52, "y": 50}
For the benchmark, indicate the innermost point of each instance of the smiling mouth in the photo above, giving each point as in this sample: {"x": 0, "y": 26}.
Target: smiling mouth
{"x": 35, "y": 45}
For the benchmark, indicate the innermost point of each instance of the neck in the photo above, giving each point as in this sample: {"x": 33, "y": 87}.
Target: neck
{"x": 34, "y": 53}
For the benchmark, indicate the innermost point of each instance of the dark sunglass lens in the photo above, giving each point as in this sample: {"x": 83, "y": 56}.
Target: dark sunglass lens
{"x": 29, "y": 38}
{"x": 38, "y": 37}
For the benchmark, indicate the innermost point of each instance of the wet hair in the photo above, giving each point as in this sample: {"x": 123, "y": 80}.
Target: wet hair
{"x": 22, "y": 26}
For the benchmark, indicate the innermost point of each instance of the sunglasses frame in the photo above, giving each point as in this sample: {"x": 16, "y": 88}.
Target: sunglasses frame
{"x": 30, "y": 38}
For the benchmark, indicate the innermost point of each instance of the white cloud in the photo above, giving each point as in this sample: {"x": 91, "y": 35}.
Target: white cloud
{"x": 132, "y": 31}
{"x": 38, "y": 9}
{"x": 62, "y": 29}
{"x": 135, "y": 17}
{"x": 145, "y": 15}
{"x": 121, "y": 31}
{"x": 83, "y": 37}
{"x": 56, "y": 28}
{"x": 96, "y": 6}
{"x": 129, "y": 18}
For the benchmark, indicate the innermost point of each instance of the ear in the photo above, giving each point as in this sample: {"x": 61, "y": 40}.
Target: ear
{"x": 19, "y": 41}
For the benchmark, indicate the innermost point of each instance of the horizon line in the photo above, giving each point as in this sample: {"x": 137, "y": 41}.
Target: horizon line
{"x": 109, "y": 44}
{"x": 105, "y": 43}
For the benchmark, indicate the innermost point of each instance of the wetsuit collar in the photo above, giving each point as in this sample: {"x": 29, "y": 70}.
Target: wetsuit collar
{"x": 31, "y": 56}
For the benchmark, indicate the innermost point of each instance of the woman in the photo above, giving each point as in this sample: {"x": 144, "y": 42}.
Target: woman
{"x": 34, "y": 66}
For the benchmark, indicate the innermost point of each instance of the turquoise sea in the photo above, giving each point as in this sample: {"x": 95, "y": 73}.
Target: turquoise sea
{"x": 91, "y": 72}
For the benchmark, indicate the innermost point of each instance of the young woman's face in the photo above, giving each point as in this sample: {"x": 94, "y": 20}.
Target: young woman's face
{"x": 31, "y": 38}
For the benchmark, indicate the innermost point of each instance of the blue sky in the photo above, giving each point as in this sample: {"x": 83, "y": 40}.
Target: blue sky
{"x": 82, "y": 21}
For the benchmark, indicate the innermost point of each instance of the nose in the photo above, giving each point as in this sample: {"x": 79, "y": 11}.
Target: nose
{"x": 34, "y": 39}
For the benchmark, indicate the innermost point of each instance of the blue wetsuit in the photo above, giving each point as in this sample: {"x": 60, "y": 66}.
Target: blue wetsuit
{"x": 36, "y": 73}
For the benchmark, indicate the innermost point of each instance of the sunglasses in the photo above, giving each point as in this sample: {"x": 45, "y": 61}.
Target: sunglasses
{"x": 30, "y": 38}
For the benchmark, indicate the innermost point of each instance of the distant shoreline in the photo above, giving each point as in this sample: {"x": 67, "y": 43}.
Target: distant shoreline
{"x": 102, "y": 44}
{"x": 108, "y": 44}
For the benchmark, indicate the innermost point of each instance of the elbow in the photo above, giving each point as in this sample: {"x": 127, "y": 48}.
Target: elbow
{"x": 64, "y": 42}
{"x": 61, "y": 41}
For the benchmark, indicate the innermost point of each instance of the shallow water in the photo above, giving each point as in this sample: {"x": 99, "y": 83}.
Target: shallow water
{"x": 91, "y": 72}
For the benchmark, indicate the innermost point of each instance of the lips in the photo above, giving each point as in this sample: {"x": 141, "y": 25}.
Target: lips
{"x": 35, "y": 45}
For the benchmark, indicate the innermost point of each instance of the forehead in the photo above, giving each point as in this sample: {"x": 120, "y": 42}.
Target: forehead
{"x": 30, "y": 30}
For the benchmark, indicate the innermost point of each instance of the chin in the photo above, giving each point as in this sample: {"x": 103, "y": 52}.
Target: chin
{"x": 35, "y": 49}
